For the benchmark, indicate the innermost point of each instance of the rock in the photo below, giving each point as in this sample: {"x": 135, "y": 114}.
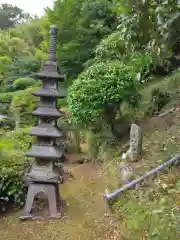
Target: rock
{"x": 177, "y": 162}
{"x": 136, "y": 137}
{"x": 125, "y": 173}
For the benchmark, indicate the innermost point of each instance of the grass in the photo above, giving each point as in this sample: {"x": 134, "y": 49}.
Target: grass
{"x": 153, "y": 211}
{"x": 170, "y": 84}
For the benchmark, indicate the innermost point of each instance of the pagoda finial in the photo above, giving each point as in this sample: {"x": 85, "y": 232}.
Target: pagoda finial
{"x": 52, "y": 43}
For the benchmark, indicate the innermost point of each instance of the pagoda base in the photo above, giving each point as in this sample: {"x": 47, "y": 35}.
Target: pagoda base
{"x": 52, "y": 192}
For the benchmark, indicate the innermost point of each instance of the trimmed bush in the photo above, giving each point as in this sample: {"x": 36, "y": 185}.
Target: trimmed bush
{"x": 6, "y": 97}
{"x": 23, "y": 83}
{"x": 102, "y": 88}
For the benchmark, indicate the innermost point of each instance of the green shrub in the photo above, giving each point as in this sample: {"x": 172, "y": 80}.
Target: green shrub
{"x": 13, "y": 164}
{"x": 18, "y": 140}
{"x": 23, "y": 83}
{"x": 22, "y": 105}
{"x": 6, "y": 97}
{"x": 5, "y": 100}
{"x": 24, "y": 66}
{"x": 111, "y": 47}
{"x": 102, "y": 88}
{"x": 142, "y": 64}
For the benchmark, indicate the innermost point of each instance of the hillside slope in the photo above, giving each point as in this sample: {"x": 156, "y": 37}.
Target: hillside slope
{"x": 153, "y": 210}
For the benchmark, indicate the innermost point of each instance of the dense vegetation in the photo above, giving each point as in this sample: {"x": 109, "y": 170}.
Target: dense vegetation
{"x": 110, "y": 51}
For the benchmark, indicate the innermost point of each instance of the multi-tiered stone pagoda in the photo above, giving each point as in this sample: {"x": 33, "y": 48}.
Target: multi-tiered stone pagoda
{"x": 43, "y": 176}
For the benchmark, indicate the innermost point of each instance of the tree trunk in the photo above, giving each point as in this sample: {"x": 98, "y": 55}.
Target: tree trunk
{"x": 110, "y": 116}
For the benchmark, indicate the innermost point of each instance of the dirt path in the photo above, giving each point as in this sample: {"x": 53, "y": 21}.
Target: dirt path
{"x": 87, "y": 217}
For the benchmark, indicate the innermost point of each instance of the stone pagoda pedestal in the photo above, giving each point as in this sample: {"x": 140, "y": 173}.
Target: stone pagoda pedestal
{"x": 43, "y": 176}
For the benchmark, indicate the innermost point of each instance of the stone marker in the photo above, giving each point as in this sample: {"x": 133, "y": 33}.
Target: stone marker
{"x": 136, "y": 137}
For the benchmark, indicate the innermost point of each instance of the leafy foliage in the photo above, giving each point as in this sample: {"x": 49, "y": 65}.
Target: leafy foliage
{"x": 13, "y": 46}
{"x": 81, "y": 25}
{"x": 7, "y": 97}
{"x": 12, "y": 167}
{"x": 142, "y": 64}
{"x": 22, "y": 105}
{"x": 23, "y": 83}
{"x": 11, "y": 15}
{"x": 145, "y": 24}
{"x": 5, "y": 100}
{"x": 100, "y": 89}
{"x": 30, "y": 31}
{"x": 111, "y": 47}
{"x": 4, "y": 61}
{"x": 114, "y": 48}
{"x": 145, "y": 36}
{"x": 23, "y": 67}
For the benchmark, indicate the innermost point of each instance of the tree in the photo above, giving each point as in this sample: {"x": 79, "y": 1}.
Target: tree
{"x": 21, "y": 67}
{"x": 11, "y": 15}
{"x": 30, "y": 31}
{"x": 146, "y": 37}
{"x": 81, "y": 25}
{"x": 99, "y": 91}
{"x": 13, "y": 46}
{"x": 148, "y": 25}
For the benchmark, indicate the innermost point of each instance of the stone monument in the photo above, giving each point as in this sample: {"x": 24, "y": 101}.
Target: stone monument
{"x": 136, "y": 137}
{"x": 43, "y": 176}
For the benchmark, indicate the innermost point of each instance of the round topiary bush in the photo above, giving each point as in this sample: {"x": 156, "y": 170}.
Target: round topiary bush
{"x": 98, "y": 92}
{"x": 23, "y": 83}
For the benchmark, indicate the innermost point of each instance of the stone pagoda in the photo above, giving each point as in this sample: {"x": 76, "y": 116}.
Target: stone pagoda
{"x": 43, "y": 176}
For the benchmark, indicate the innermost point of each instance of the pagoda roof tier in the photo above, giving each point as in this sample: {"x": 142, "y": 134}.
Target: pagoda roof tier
{"x": 45, "y": 152}
{"x": 44, "y": 92}
{"x": 48, "y": 112}
{"x": 49, "y": 75}
{"x": 46, "y": 130}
